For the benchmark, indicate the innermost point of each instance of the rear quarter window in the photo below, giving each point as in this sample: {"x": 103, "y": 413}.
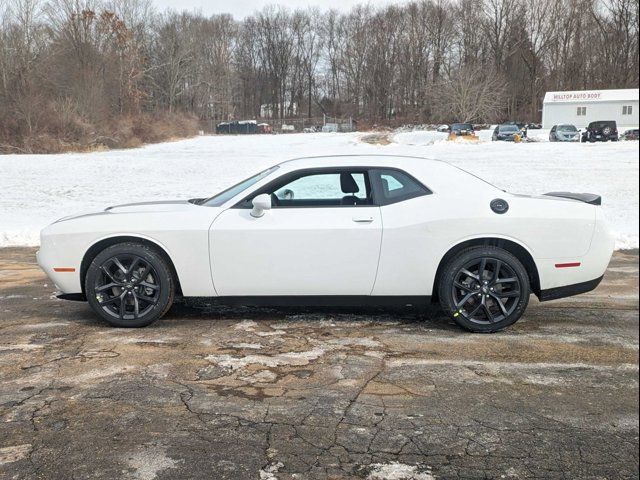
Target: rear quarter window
{"x": 393, "y": 186}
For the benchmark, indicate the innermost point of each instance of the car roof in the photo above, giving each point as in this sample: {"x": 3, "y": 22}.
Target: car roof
{"x": 435, "y": 174}
{"x": 371, "y": 160}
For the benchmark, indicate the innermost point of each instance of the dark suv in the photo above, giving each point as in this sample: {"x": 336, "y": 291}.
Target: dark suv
{"x": 601, "y": 131}
{"x": 462, "y": 129}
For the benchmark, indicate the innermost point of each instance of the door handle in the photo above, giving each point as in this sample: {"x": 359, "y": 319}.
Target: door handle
{"x": 363, "y": 219}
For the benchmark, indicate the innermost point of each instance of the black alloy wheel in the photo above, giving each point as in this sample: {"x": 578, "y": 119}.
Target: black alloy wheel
{"x": 129, "y": 285}
{"x": 484, "y": 289}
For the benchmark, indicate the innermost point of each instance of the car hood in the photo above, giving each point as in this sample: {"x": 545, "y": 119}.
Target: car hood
{"x": 141, "y": 207}
{"x": 158, "y": 206}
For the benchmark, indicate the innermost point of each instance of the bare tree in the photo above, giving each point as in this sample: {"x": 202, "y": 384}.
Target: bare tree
{"x": 472, "y": 94}
{"x": 80, "y": 68}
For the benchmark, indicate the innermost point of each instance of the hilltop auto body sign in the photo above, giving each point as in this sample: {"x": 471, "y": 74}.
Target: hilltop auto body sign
{"x": 573, "y": 96}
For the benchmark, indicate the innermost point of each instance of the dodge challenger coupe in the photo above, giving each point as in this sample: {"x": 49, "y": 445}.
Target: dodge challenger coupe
{"x": 336, "y": 230}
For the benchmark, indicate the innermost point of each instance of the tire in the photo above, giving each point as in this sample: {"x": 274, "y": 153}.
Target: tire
{"x": 129, "y": 285}
{"x": 474, "y": 306}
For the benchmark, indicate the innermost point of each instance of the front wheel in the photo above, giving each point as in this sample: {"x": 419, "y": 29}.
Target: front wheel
{"x": 129, "y": 285}
{"x": 484, "y": 289}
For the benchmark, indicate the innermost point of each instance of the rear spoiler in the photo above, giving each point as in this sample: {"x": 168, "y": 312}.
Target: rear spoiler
{"x": 590, "y": 198}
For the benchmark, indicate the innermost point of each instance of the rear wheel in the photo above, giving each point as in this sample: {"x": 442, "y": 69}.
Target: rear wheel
{"x": 129, "y": 285}
{"x": 484, "y": 289}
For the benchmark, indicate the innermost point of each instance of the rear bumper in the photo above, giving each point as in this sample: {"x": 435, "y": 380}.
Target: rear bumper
{"x": 563, "y": 276}
{"x": 569, "y": 290}
{"x": 76, "y": 297}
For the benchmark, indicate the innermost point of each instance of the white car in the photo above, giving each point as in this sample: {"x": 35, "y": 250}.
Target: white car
{"x": 336, "y": 230}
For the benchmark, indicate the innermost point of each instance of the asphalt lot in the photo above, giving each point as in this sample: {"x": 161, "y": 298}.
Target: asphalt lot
{"x": 245, "y": 393}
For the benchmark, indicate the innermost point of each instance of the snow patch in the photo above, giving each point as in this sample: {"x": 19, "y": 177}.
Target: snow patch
{"x": 272, "y": 333}
{"x": 44, "y": 326}
{"x": 246, "y": 325}
{"x": 269, "y": 472}
{"x": 148, "y": 463}
{"x": 419, "y": 138}
{"x": 248, "y": 346}
{"x": 20, "y": 346}
{"x": 356, "y": 342}
{"x": 287, "y": 358}
{"x": 263, "y": 376}
{"x": 399, "y": 471}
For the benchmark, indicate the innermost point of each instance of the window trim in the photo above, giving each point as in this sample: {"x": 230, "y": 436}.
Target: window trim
{"x": 377, "y": 199}
{"x": 376, "y": 183}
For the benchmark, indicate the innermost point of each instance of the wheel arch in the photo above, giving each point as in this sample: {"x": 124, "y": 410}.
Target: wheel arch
{"x": 515, "y": 248}
{"x": 100, "y": 245}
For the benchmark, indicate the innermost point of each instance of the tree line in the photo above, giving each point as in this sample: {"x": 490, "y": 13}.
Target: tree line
{"x": 92, "y": 68}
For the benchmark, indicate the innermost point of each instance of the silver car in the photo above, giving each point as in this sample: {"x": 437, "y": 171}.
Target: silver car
{"x": 564, "y": 133}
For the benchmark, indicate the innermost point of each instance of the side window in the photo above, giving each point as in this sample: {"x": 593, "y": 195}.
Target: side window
{"x": 397, "y": 186}
{"x": 323, "y": 189}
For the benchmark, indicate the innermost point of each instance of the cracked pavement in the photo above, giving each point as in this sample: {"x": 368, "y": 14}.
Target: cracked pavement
{"x": 261, "y": 393}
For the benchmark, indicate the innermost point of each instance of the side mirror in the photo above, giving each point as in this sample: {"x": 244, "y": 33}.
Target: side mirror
{"x": 260, "y": 204}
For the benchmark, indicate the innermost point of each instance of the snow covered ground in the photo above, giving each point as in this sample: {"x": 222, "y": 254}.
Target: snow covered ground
{"x": 38, "y": 189}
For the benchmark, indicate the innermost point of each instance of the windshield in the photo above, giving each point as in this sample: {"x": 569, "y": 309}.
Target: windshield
{"x": 224, "y": 196}
{"x": 508, "y": 128}
{"x": 461, "y": 126}
{"x": 567, "y": 128}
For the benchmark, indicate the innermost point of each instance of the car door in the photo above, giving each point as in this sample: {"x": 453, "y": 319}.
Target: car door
{"x": 321, "y": 236}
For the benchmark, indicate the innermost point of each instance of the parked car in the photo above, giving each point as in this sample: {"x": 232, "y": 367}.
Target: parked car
{"x": 359, "y": 230}
{"x": 564, "y": 133}
{"x": 265, "y": 128}
{"x": 238, "y": 127}
{"x": 463, "y": 131}
{"x": 601, "y": 131}
{"x": 534, "y": 126}
{"x": 631, "y": 134}
{"x": 509, "y": 132}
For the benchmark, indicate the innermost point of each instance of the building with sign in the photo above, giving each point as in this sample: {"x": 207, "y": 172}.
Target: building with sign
{"x": 581, "y": 107}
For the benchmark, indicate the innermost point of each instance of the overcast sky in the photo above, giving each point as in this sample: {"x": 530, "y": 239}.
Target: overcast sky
{"x": 241, "y": 8}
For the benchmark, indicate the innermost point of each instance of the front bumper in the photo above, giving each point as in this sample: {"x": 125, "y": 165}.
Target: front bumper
{"x": 568, "y": 139}
{"x": 60, "y": 263}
